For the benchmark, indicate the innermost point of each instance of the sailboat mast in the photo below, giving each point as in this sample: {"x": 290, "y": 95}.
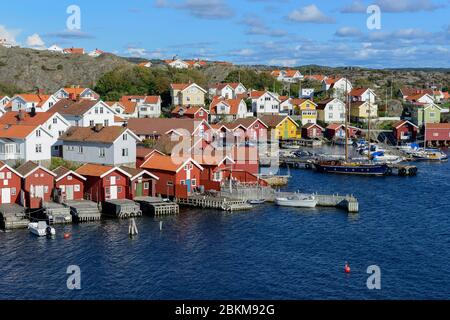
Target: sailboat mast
{"x": 346, "y": 122}
{"x": 368, "y": 128}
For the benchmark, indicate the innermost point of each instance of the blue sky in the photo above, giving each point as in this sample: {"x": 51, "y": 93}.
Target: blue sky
{"x": 414, "y": 33}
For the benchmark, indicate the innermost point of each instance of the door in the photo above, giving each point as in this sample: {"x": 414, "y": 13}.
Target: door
{"x": 39, "y": 191}
{"x": 113, "y": 180}
{"x": 113, "y": 192}
{"x": 188, "y": 185}
{"x": 6, "y": 196}
{"x": 139, "y": 189}
{"x": 69, "y": 192}
{"x": 314, "y": 132}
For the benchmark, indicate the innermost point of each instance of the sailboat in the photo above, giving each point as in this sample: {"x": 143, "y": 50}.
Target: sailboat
{"x": 353, "y": 167}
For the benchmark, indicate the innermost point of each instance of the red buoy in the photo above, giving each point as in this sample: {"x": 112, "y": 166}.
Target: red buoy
{"x": 66, "y": 235}
{"x": 347, "y": 268}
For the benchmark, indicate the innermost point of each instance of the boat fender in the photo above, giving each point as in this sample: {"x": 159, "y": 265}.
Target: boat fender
{"x": 347, "y": 268}
{"x": 389, "y": 171}
{"x": 66, "y": 235}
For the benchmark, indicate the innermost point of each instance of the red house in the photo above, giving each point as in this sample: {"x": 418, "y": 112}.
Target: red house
{"x": 439, "y": 133}
{"x": 104, "y": 182}
{"x": 213, "y": 167}
{"x": 142, "y": 183}
{"x": 190, "y": 112}
{"x": 246, "y": 159}
{"x": 177, "y": 177}
{"x": 10, "y": 185}
{"x": 37, "y": 184}
{"x": 312, "y": 130}
{"x": 70, "y": 184}
{"x": 241, "y": 130}
{"x": 142, "y": 154}
{"x": 337, "y": 130}
{"x": 405, "y": 131}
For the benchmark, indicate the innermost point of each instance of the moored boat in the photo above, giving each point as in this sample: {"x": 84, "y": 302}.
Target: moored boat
{"x": 297, "y": 200}
{"x": 256, "y": 201}
{"x": 356, "y": 168}
{"x": 41, "y": 229}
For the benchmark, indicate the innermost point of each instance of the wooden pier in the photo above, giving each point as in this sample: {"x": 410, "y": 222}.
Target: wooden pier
{"x": 122, "y": 209}
{"x": 57, "y": 213}
{"x": 83, "y": 210}
{"x": 210, "y": 202}
{"x": 157, "y": 206}
{"x": 13, "y": 216}
{"x": 310, "y": 143}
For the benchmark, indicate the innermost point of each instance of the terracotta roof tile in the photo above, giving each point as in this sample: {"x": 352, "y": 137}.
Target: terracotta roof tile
{"x": 93, "y": 170}
{"x": 86, "y": 134}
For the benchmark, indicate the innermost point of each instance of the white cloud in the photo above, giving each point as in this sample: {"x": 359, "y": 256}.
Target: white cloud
{"x": 357, "y": 6}
{"x": 242, "y": 52}
{"x": 9, "y": 35}
{"x": 284, "y": 62}
{"x": 309, "y": 14}
{"x": 205, "y": 9}
{"x": 348, "y": 32}
{"x": 140, "y": 52}
{"x": 256, "y": 26}
{"x": 35, "y": 41}
{"x": 407, "y": 5}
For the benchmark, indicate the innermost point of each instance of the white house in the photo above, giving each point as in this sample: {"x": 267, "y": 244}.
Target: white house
{"x": 306, "y": 93}
{"x": 138, "y": 106}
{"x": 177, "y": 64}
{"x": 25, "y": 143}
{"x": 363, "y": 94}
{"x": 75, "y": 93}
{"x": 264, "y": 102}
{"x": 96, "y": 53}
{"x": 228, "y": 109}
{"x": 341, "y": 86}
{"x": 146, "y": 64}
{"x": 331, "y": 111}
{"x": 4, "y": 100}
{"x": 5, "y": 43}
{"x": 289, "y": 75}
{"x": 85, "y": 113}
{"x": 227, "y": 90}
{"x": 423, "y": 98}
{"x": 55, "y": 48}
{"x": 52, "y": 122}
{"x": 113, "y": 146}
{"x": 28, "y": 102}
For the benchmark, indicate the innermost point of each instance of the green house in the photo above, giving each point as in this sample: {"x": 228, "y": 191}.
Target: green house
{"x": 430, "y": 112}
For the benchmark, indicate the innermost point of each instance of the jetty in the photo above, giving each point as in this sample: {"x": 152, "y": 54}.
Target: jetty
{"x": 56, "y": 213}
{"x": 347, "y": 202}
{"x": 83, "y": 210}
{"x": 157, "y": 206}
{"x": 122, "y": 209}
{"x": 215, "y": 202}
{"x": 13, "y": 216}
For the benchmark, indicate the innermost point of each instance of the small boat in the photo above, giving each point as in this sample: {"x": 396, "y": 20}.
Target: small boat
{"x": 352, "y": 168}
{"x": 256, "y": 201}
{"x": 429, "y": 155}
{"x": 297, "y": 200}
{"x": 342, "y": 142}
{"x": 41, "y": 229}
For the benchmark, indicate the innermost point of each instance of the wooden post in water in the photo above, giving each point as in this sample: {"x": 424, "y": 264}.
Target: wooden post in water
{"x": 132, "y": 228}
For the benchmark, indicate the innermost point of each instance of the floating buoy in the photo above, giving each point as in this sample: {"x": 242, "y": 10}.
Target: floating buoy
{"x": 347, "y": 268}
{"x": 66, "y": 235}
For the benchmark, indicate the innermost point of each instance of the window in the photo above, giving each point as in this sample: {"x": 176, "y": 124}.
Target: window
{"x": 200, "y": 113}
{"x": 70, "y": 148}
{"x": 96, "y": 110}
{"x": 77, "y": 123}
{"x": 38, "y": 133}
{"x": 101, "y": 109}
{"x": 13, "y": 191}
{"x": 45, "y": 189}
{"x": 60, "y": 133}
{"x": 107, "y": 191}
{"x": 169, "y": 183}
{"x": 102, "y": 152}
{"x": 125, "y": 137}
{"x": 432, "y": 114}
{"x": 55, "y": 120}
{"x": 80, "y": 149}
{"x": 91, "y": 123}
{"x": 183, "y": 183}
{"x": 119, "y": 189}
{"x": 106, "y": 122}
{"x": 125, "y": 152}
{"x": 146, "y": 185}
{"x": 69, "y": 178}
{"x": 194, "y": 182}
{"x": 39, "y": 148}
{"x": 2, "y": 175}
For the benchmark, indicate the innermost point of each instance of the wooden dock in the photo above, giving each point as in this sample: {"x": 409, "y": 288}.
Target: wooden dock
{"x": 122, "y": 209}
{"x": 83, "y": 210}
{"x": 310, "y": 143}
{"x": 210, "y": 202}
{"x": 56, "y": 213}
{"x": 157, "y": 206}
{"x": 13, "y": 216}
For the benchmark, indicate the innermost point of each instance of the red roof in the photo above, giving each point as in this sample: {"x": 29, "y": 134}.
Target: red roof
{"x": 439, "y": 126}
{"x": 400, "y": 123}
{"x": 357, "y": 92}
{"x": 24, "y": 118}
{"x": 232, "y": 103}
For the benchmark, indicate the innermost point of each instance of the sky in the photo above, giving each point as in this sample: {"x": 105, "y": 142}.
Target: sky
{"x": 410, "y": 33}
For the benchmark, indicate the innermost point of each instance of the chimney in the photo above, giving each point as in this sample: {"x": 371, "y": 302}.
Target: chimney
{"x": 33, "y": 112}
{"x": 98, "y": 127}
{"x": 73, "y": 96}
{"x": 20, "y": 115}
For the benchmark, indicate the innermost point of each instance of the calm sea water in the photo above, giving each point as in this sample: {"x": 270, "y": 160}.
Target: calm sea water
{"x": 268, "y": 253}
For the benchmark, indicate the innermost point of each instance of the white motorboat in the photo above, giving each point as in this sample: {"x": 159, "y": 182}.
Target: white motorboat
{"x": 41, "y": 229}
{"x": 256, "y": 201}
{"x": 297, "y": 200}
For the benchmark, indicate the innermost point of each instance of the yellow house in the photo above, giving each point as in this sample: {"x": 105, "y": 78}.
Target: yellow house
{"x": 282, "y": 127}
{"x": 306, "y": 109}
{"x": 359, "y": 111}
{"x": 187, "y": 94}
